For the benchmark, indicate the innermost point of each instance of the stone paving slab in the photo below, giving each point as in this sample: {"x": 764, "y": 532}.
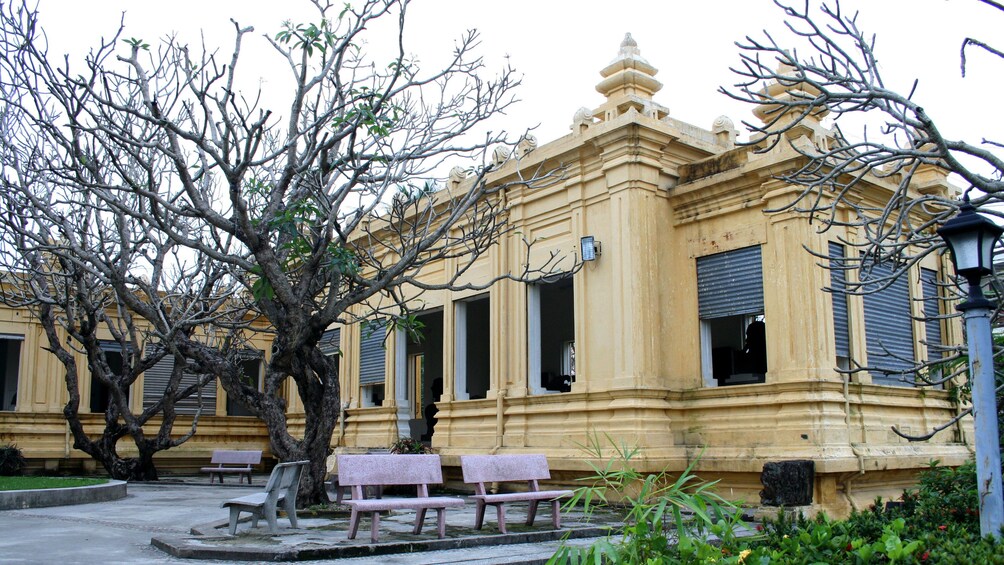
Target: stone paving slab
{"x": 326, "y": 537}
{"x": 121, "y": 531}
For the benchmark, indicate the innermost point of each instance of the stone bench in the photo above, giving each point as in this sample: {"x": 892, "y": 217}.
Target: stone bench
{"x": 361, "y": 471}
{"x": 229, "y": 462}
{"x": 481, "y": 469}
{"x": 280, "y": 490}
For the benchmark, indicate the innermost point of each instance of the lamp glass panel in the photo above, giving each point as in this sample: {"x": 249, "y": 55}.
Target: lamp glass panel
{"x": 987, "y": 241}
{"x": 965, "y": 250}
{"x": 588, "y": 248}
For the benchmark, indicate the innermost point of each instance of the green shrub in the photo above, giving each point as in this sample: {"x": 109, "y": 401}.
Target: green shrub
{"x": 936, "y": 524}
{"x": 12, "y": 461}
{"x": 409, "y": 446}
{"x": 667, "y": 520}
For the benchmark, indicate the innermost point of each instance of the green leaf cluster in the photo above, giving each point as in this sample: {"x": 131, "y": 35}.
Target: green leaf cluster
{"x": 309, "y": 37}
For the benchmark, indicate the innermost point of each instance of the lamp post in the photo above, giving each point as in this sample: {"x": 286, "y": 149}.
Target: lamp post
{"x": 971, "y": 239}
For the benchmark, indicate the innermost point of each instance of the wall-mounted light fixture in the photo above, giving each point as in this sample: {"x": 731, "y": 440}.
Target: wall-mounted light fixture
{"x": 591, "y": 249}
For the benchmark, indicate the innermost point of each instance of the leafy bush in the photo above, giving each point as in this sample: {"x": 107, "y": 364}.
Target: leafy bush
{"x": 409, "y": 446}
{"x": 12, "y": 461}
{"x": 688, "y": 505}
{"x": 936, "y": 524}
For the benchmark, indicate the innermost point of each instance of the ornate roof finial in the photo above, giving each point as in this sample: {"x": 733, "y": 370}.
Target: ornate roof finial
{"x": 629, "y": 46}
{"x": 629, "y": 74}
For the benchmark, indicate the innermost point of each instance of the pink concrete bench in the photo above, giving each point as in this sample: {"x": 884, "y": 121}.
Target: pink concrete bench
{"x": 360, "y": 471}
{"x": 230, "y": 462}
{"x": 280, "y": 490}
{"x": 481, "y": 469}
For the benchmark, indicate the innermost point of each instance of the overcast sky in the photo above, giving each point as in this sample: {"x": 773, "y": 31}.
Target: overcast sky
{"x": 560, "y": 46}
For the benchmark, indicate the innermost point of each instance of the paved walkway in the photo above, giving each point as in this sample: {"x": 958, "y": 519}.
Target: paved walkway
{"x": 121, "y": 532}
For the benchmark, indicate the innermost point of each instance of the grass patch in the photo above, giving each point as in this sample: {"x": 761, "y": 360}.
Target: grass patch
{"x": 32, "y": 483}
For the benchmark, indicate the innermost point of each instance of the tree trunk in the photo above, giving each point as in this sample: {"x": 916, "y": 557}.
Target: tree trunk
{"x": 321, "y": 399}
{"x": 131, "y": 468}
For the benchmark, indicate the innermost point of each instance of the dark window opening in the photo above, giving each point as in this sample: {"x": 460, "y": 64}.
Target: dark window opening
{"x": 250, "y": 376}
{"x": 425, "y": 374}
{"x": 100, "y": 392}
{"x": 478, "y": 354}
{"x": 555, "y": 335}
{"x": 10, "y": 360}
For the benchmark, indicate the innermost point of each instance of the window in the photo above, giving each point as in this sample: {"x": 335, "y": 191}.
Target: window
{"x": 473, "y": 348}
{"x": 420, "y": 381}
{"x": 888, "y": 325}
{"x": 841, "y": 316}
{"x": 10, "y": 364}
{"x": 932, "y": 313}
{"x": 156, "y": 379}
{"x": 372, "y": 362}
{"x": 331, "y": 342}
{"x": 251, "y": 365}
{"x": 730, "y": 306}
{"x": 100, "y": 392}
{"x": 551, "y": 326}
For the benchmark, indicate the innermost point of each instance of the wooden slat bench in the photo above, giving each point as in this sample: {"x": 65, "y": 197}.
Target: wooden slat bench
{"x": 361, "y": 471}
{"x": 481, "y": 469}
{"x": 280, "y": 490}
{"x": 229, "y": 462}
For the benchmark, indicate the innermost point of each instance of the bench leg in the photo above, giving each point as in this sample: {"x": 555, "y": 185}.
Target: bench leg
{"x": 419, "y": 520}
{"x": 290, "y": 507}
{"x": 500, "y": 510}
{"x": 531, "y": 512}
{"x": 375, "y": 527}
{"x": 273, "y": 523}
{"x": 441, "y": 522}
{"x": 556, "y": 514}
{"x": 235, "y": 514}
{"x": 479, "y": 519}
{"x": 353, "y": 523}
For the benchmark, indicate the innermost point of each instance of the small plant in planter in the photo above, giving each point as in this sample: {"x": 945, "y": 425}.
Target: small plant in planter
{"x": 12, "y": 461}
{"x": 409, "y": 446}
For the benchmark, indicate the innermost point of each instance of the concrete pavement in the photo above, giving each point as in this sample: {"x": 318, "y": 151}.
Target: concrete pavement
{"x": 121, "y": 531}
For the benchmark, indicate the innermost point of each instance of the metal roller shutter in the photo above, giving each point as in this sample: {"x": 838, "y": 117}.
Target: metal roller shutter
{"x": 889, "y": 327}
{"x": 331, "y": 341}
{"x": 156, "y": 379}
{"x": 838, "y": 284}
{"x": 932, "y": 308}
{"x": 730, "y": 283}
{"x": 371, "y": 352}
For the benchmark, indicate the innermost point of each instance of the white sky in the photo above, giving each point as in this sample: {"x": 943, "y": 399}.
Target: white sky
{"x": 560, "y": 46}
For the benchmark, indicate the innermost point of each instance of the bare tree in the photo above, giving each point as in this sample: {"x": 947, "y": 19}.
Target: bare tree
{"x": 837, "y": 76}
{"x": 73, "y": 264}
{"x": 324, "y": 211}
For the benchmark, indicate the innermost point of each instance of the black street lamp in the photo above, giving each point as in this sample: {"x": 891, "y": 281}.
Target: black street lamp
{"x": 971, "y": 239}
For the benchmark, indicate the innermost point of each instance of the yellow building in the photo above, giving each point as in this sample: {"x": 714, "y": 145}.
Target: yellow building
{"x": 648, "y": 342}
{"x": 700, "y": 329}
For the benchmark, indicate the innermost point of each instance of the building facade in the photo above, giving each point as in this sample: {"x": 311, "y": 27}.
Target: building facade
{"x": 701, "y": 329}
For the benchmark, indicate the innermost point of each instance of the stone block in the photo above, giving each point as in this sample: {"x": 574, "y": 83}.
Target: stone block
{"x": 787, "y": 483}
